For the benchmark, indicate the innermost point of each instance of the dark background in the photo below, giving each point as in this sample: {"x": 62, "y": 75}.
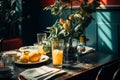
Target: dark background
{"x": 35, "y": 19}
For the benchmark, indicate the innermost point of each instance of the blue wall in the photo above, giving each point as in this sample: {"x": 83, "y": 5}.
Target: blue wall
{"x": 105, "y": 34}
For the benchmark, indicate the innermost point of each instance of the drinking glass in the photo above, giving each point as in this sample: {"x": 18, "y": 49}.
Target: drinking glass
{"x": 57, "y": 52}
{"x": 9, "y": 59}
{"x": 41, "y": 37}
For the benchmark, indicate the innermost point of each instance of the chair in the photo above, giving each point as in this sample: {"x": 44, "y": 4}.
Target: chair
{"x": 10, "y": 44}
{"x": 116, "y": 75}
{"x": 107, "y": 71}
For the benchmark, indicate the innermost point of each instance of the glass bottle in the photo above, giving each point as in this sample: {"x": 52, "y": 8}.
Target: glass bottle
{"x": 81, "y": 47}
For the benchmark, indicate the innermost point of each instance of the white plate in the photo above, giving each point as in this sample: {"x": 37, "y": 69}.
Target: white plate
{"x": 28, "y": 48}
{"x": 44, "y": 58}
{"x": 11, "y": 53}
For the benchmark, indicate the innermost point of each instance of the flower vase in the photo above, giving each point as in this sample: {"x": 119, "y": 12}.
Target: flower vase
{"x": 70, "y": 51}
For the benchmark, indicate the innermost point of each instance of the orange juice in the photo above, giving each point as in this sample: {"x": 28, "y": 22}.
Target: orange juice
{"x": 57, "y": 57}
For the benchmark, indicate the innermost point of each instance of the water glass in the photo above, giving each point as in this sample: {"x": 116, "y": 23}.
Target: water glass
{"x": 41, "y": 37}
{"x": 57, "y": 52}
{"x": 9, "y": 59}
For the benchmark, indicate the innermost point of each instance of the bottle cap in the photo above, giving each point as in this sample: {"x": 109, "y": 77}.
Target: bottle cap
{"x": 82, "y": 39}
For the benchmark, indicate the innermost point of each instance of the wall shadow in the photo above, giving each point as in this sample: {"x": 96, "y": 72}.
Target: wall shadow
{"x": 108, "y": 31}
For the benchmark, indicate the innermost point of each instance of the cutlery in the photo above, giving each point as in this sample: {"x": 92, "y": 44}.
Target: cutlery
{"x": 43, "y": 74}
{"x": 57, "y": 73}
{"x": 41, "y": 77}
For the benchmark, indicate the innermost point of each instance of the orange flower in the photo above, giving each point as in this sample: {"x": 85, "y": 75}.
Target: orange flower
{"x": 66, "y": 27}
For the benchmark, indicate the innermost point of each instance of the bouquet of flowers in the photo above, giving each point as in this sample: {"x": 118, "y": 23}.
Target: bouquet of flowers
{"x": 74, "y": 24}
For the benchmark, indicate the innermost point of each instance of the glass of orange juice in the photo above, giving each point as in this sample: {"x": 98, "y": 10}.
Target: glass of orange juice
{"x": 57, "y": 52}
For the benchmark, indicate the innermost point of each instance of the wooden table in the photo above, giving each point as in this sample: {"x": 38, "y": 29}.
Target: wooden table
{"x": 88, "y": 62}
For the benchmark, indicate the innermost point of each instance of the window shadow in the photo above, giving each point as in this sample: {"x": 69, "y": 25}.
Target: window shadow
{"x": 107, "y": 31}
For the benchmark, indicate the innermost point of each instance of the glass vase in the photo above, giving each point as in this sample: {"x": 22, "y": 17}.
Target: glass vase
{"x": 70, "y": 51}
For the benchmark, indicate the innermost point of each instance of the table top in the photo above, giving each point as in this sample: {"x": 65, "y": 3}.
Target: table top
{"x": 87, "y": 62}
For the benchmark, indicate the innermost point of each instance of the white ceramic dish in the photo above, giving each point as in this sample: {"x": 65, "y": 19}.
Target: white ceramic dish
{"x": 11, "y": 53}
{"x": 28, "y": 48}
{"x": 44, "y": 58}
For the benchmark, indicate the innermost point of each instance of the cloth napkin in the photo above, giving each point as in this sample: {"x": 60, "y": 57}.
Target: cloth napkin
{"x": 87, "y": 50}
{"x": 41, "y": 73}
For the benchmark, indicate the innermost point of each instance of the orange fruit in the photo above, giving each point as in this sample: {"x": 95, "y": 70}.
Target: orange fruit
{"x": 66, "y": 27}
{"x": 61, "y": 20}
{"x": 34, "y": 56}
{"x": 68, "y": 22}
{"x": 24, "y": 58}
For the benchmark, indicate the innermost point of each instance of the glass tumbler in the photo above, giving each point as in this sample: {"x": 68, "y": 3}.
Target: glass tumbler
{"x": 57, "y": 52}
{"x": 9, "y": 59}
{"x": 41, "y": 37}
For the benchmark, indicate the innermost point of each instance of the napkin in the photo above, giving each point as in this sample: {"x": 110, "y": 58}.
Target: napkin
{"x": 41, "y": 73}
{"x": 87, "y": 50}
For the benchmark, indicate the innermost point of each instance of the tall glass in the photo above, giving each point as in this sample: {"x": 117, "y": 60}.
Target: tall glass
{"x": 9, "y": 59}
{"x": 40, "y": 38}
{"x": 57, "y": 52}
